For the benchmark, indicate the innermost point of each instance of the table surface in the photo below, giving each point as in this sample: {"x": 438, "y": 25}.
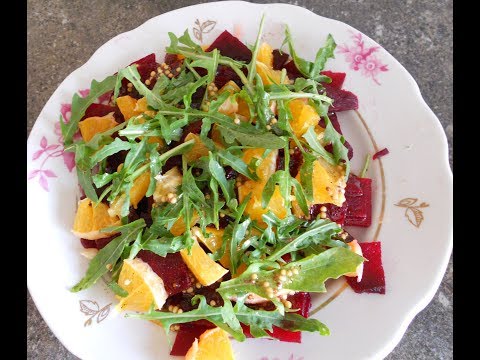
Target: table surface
{"x": 62, "y": 35}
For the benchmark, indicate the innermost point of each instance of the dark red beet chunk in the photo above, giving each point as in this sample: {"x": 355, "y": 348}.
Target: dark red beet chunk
{"x": 342, "y": 99}
{"x": 174, "y": 272}
{"x": 224, "y": 75}
{"x": 102, "y": 110}
{"x": 279, "y": 59}
{"x": 296, "y": 160}
{"x": 230, "y": 46}
{"x": 358, "y": 194}
{"x": 292, "y": 70}
{"x": 101, "y": 243}
{"x": 334, "y": 213}
{"x": 185, "y": 338}
{"x": 184, "y": 300}
{"x": 88, "y": 244}
{"x": 373, "y": 279}
{"x": 337, "y": 78}
{"x": 145, "y": 66}
{"x": 380, "y": 153}
{"x": 194, "y": 128}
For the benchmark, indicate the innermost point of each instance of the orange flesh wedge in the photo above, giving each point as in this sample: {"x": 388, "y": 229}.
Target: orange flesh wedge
{"x": 91, "y": 218}
{"x": 214, "y": 242}
{"x": 303, "y": 116}
{"x": 213, "y": 344}
{"x": 198, "y": 150}
{"x": 127, "y": 104}
{"x": 264, "y": 170}
{"x": 96, "y": 124}
{"x": 265, "y": 55}
{"x": 143, "y": 285}
{"x": 202, "y": 266}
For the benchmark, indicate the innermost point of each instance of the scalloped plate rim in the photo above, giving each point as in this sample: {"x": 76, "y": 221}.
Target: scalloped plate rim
{"x": 428, "y": 294}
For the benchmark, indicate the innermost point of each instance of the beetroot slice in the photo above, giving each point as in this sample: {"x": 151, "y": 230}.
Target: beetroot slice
{"x": 342, "y": 99}
{"x": 185, "y": 338}
{"x": 373, "y": 279}
{"x": 230, "y": 46}
{"x": 174, "y": 272}
{"x": 224, "y": 75}
{"x": 292, "y": 70}
{"x": 358, "y": 194}
{"x": 145, "y": 66}
{"x": 380, "y": 153}
{"x": 337, "y": 78}
{"x": 102, "y": 110}
{"x": 279, "y": 59}
{"x": 88, "y": 244}
{"x": 334, "y": 213}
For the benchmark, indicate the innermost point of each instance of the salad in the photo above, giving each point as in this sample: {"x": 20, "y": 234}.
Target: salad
{"x": 216, "y": 187}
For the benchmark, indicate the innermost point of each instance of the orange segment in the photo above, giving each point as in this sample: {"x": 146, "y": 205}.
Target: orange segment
{"x": 143, "y": 285}
{"x": 178, "y": 228}
{"x": 303, "y": 116}
{"x": 90, "y": 219}
{"x": 254, "y": 206}
{"x": 202, "y": 266}
{"x": 96, "y": 124}
{"x": 214, "y": 242}
{"x": 265, "y": 55}
{"x": 328, "y": 183}
{"x": 139, "y": 188}
{"x": 266, "y": 167}
{"x": 213, "y": 344}
{"x": 268, "y": 75}
{"x": 126, "y": 104}
{"x": 142, "y": 107}
{"x": 198, "y": 150}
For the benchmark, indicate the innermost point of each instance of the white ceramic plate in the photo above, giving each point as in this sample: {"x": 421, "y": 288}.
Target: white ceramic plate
{"x": 412, "y": 193}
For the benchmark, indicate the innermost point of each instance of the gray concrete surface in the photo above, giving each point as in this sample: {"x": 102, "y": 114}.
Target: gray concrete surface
{"x": 62, "y": 35}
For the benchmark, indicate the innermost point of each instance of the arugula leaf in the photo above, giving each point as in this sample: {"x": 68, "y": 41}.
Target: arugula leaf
{"x": 306, "y": 175}
{"x": 84, "y": 173}
{"x": 252, "y": 67}
{"x": 209, "y": 64}
{"x": 261, "y": 320}
{"x": 109, "y": 255}
{"x": 80, "y": 105}
{"x": 368, "y": 158}
{"x": 245, "y": 133}
{"x": 236, "y": 163}
{"x": 318, "y": 231}
{"x": 117, "y": 289}
{"x": 340, "y": 151}
{"x": 218, "y": 173}
{"x": 116, "y": 146}
{"x": 307, "y": 68}
{"x": 312, "y": 271}
{"x": 311, "y": 137}
{"x": 220, "y": 316}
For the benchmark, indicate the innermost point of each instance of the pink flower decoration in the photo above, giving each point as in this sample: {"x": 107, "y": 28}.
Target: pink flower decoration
{"x": 42, "y": 177}
{"x": 361, "y": 58}
{"x": 372, "y": 66}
